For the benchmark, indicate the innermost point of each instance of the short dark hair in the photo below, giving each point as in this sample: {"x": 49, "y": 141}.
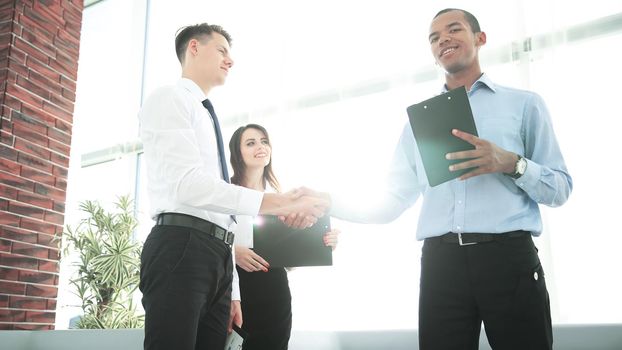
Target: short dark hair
{"x": 197, "y": 31}
{"x": 473, "y": 22}
{"x": 237, "y": 163}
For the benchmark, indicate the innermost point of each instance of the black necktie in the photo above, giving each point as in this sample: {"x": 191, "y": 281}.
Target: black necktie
{"x": 221, "y": 148}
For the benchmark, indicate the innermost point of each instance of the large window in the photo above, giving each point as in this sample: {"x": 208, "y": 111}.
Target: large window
{"x": 331, "y": 82}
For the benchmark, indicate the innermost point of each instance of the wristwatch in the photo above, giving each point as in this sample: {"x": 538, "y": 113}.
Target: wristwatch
{"x": 519, "y": 168}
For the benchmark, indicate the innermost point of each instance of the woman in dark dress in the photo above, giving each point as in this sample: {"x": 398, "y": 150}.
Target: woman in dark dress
{"x": 265, "y": 294}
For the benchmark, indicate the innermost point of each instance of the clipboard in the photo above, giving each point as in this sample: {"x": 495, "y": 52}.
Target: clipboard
{"x": 235, "y": 340}
{"x": 282, "y": 246}
{"x": 432, "y": 121}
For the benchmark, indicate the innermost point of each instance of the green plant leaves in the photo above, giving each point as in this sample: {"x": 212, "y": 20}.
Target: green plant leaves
{"x": 108, "y": 265}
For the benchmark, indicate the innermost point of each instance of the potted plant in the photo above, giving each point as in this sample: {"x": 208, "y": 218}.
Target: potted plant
{"x": 108, "y": 265}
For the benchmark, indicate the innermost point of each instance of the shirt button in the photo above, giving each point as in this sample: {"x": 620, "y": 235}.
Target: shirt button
{"x": 459, "y": 202}
{"x": 458, "y": 227}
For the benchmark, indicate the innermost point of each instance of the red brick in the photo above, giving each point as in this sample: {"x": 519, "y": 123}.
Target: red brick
{"x": 38, "y": 115}
{"x": 8, "y": 166}
{"x": 41, "y": 291}
{"x": 18, "y": 55}
{"x": 6, "y": 13}
{"x": 64, "y": 65}
{"x": 59, "y": 147}
{"x": 33, "y": 149}
{"x": 64, "y": 126}
{"x": 26, "y": 210}
{"x": 19, "y": 302}
{"x": 4, "y": 301}
{"x": 5, "y": 246}
{"x": 51, "y": 9}
{"x": 17, "y": 182}
{"x": 50, "y": 266}
{"x": 29, "y": 23}
{"x": 48, "y": 240}
{"x": 59, "y": 159}
{"x": 42, "y": 43}
{"x": 38, "y": 176}
{"x": 62, "y": 102}
{"x": 6, "y": 327}
{"x": 4, "y": 204}
{"x": 68, "y": 83}
{"x": 31, "y": 50}
{"x": 5, "y": 137}
{"x": 35, "y": 132}
{"x": 35, "y": 162}
{"x": 51, "y": 304}
{"x": 37, "y": 226}
{"x": 51, "y": 192}
{"x": 24, "y": 96}
{"x": 18, "y": 67}
{"x": 30, "y": 250}
{"x": 59, "y": 207}
{"x": 48, "y": 23}
{"x": 7, "y": 315}
{"x": 41, "y": 80}
{"x": 18, "y": 234}
{"x": 60, "y": 135}
{"x": 42, "y": 68}
{"x": 9, "y": 219}
{"x": 31, "y": 327}
{"x": 12, "y": 288}
{"x": 34, "y": 199}
{"x": 53, "y": 254}
{"x": 70, "y": 95}
{"x": 74, "y": 7}
{"x": 39, "y": 90}
{"x": 12, "y": 102}
{"x": 8, "y": 152}
{"x": 60, "y": 172}
{"x": 57, "y": 111}
{"x": 40, "y": 317}
{"x": 55, "y": 218}
{"x": 36, "y": 277}
{"x": 61, "y": 184}
{"x": 67, "y": 43}
{"x": 9, "y": 274}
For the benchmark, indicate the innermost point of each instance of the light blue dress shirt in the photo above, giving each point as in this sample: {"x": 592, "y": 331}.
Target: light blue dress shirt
{"x": 515, "y": 120}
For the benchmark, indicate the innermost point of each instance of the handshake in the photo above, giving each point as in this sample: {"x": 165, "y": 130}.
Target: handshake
{"x": 298, "y": 208}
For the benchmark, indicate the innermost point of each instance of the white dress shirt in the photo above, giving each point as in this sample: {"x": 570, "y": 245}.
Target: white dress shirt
{"x": 181, "y": 155}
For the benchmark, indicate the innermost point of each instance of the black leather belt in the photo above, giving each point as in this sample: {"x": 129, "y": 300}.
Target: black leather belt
{"x": 176, "y": 219}
{"x": 475, "y": 238}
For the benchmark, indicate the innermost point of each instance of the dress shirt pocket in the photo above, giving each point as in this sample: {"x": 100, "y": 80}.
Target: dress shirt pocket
{"x": 502, "y": 130}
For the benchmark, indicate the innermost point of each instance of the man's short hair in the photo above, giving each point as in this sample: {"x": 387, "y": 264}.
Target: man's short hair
{"x": 197, "y": 31}
{"x": 473, "y": 22}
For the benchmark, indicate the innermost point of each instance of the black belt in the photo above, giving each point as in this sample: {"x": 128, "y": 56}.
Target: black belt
{"x": 175, "y": 219}
{"x": 475, "y": 238}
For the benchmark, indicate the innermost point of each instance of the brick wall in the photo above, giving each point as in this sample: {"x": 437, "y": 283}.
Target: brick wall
{"x": 39, "y": 42}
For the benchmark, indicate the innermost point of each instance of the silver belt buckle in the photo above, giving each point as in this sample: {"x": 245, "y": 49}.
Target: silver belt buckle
{"x": 463, "y": 244}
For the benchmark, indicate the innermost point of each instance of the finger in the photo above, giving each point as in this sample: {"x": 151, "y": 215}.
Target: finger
{"x": 290, "y": 219}
{"x": 264, "y": 264}
{"x": 465, "y": 165}
{"x": 472, "y": 139}
{"x": 474, "y": 153}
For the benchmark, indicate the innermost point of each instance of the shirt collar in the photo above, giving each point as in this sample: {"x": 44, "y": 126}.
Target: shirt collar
{"x": 483, "y": 81}
{"x": 192, "y": 87}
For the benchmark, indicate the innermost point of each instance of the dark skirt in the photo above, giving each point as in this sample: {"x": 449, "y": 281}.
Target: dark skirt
{"x": 266, "y": 309}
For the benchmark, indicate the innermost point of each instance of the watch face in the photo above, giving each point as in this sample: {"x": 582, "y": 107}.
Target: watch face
{"x": 521, "y": 166}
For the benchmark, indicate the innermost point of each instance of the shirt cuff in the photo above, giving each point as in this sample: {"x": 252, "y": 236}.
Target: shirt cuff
{"x": 530, "y": 178}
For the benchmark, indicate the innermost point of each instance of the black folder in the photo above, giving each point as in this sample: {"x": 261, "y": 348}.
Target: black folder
{"x": 432, "y": 121}
{"x": 282, "y": 246}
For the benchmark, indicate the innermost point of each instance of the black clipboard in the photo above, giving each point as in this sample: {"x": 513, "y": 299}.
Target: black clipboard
{"x": 432, "y": 121}
{"x": 282, "y": 246}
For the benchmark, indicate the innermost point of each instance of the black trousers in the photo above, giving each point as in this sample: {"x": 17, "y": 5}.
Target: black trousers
{"x": 266, "y": 308}
{"x": 500, "y": 283}
{"x": 185, "y": 279}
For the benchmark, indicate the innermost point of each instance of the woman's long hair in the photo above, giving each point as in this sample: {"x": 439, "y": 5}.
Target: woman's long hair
{"x": 237, "y": 163}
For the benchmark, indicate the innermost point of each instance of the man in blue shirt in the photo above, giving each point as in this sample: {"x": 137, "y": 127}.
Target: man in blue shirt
{"x": 479, "y": 262}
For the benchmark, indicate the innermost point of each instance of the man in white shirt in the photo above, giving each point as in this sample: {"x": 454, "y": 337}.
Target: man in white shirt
{"x": 186, "y": 263}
